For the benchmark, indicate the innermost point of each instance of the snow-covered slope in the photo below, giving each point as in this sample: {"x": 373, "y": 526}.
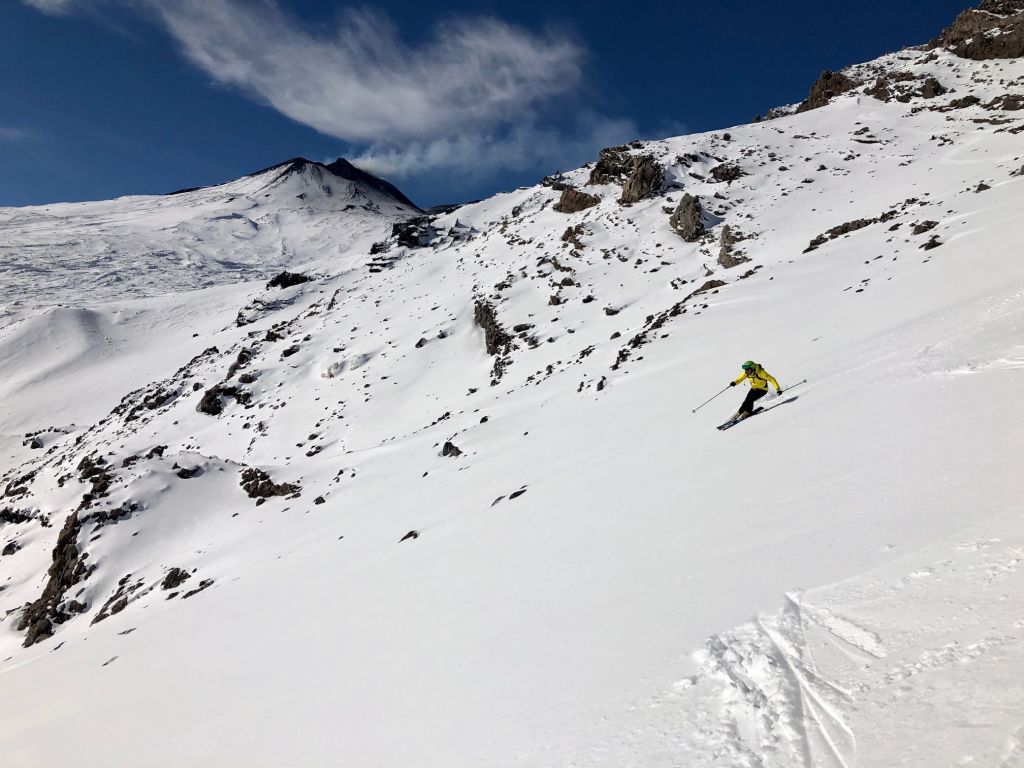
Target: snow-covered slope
{"x": 150, "y": 245}
{"x": 100, "y": 298}
{"x": 448, "y": 504}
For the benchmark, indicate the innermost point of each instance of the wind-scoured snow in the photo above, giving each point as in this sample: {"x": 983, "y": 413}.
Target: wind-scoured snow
{"x": 487, "y": 528}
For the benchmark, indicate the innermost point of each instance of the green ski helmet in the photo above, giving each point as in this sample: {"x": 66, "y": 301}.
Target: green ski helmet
{"x": 749, "y": 365}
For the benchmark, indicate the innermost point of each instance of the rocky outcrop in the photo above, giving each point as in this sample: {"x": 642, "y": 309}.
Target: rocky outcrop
{"x": 995, "y": 30}
{"x": 258, "y": 485}
{"x": 727, "y": 173}
{"x": 574, "y": 201}
{"x": 174, "y": 578}
{"x": 212, "y": 402}
{"x": 496, "y": 338}
{"x": 68, "y": 568}
{"x": 829, "y": 85}
{"x": 931, "y": 88}
{"x": 728, "y": 257}
{"x": 287, "y": 280}
{"x": 844, "y": 229}
{"x": 688, "y": 219}
{"x": 414, "y": 233}
{"x": 645, "y": 180}
{"x": 612, "y": 166}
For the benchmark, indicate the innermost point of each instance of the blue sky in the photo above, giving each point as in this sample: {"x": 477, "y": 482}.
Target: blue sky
{"x": 449, "y": 100}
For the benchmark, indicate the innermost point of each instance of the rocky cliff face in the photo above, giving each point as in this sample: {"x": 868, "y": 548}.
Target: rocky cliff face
{"x": 995, "y": 30}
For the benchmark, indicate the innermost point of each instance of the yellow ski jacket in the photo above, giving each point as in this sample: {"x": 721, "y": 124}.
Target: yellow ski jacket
{"x": 758, "y": 377}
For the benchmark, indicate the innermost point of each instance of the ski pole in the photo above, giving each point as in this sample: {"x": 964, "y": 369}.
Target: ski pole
{"x": 793, "y": 386}
{"x": 708, "y": 401}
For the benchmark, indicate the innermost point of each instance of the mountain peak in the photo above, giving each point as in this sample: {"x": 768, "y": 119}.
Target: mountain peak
{"x": 343, "y": 169}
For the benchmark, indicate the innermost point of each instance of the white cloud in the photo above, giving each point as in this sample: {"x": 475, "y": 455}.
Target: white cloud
{"x": 471, "y": 98}
{"x": 363, "y": 83}
{"x": 521, "y": 147}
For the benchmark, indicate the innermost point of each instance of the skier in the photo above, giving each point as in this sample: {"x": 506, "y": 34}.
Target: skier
{"x": 759, "y": 379}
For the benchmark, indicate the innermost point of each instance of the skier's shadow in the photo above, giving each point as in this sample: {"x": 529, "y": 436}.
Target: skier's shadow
{"x": 792, "y": 399}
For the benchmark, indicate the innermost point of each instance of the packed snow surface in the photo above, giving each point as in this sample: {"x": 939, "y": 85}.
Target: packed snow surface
{"x": 589, "y": 574}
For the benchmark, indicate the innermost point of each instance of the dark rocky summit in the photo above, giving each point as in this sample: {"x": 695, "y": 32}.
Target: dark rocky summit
{"x": 995, "y": 30}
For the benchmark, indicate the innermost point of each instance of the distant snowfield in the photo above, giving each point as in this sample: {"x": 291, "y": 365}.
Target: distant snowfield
{"x": 600, "y": 578}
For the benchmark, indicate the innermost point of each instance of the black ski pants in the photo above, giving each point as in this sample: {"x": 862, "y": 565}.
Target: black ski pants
{"x": 752, "y": 397}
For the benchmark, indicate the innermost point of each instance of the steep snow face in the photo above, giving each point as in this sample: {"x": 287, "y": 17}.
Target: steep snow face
{"x": 448, "y": 504}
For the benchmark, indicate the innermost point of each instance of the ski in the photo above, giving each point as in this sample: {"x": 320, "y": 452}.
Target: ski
{"x": 760, "y": 409}
{"x": 735, "y": 420}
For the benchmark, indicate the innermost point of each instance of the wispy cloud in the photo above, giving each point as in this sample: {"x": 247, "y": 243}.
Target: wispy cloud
{"x": 521, "y": 147}
{"x": 473, "y": 97}
{"x": 13, "y": 134}
{"x": 363, "y": 83}
{"x": 53, "y": 6}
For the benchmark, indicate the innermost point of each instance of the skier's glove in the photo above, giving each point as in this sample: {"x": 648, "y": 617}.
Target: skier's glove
{"x": 732, "y": 383}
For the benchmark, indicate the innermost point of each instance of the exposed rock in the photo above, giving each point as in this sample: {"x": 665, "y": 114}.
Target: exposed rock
{"x": 175, "y": 578}
{"x": 94, "y": 471}
{"x": 688, "y": 219}
{"x": 727, "y": 257}
{"x": 287, "y": 280}
{"x": 931, "y": 88}
{"x": 572, "y": 236}
{"x": 109, "y": 516}
{"x": 68, "y": 568}
{"x": 839, "y": 231}
{"x": 727, "y": 172}
{"x": 613, "y": 164}
{"x": 409, "y": 535}
{"x": 11, "y": 516}
{"x": 496, "y": 338}
{"x": 933, "y": 242}
{"x": 212, "y": 402}
{"x": 245, "y": 356}
{"x": 10, "y": 548}
{"x": 710, "y": 285}
{"x": 449, "y": 449}
{"x": 204, "y": 584}
{"x": 881, "y": 89}
{"x": 645, "y": 180}
{"x": 829, "y": 85}
{"x": 414, "y": 233}
{"x": 574, "y": 201}
{"x": 258, "y": 485}
{"x": 924, "y": 226}
{"x": 964, "y": 102}
{"x": 1009, "y": 102}
{"x": 994, "y": 31}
